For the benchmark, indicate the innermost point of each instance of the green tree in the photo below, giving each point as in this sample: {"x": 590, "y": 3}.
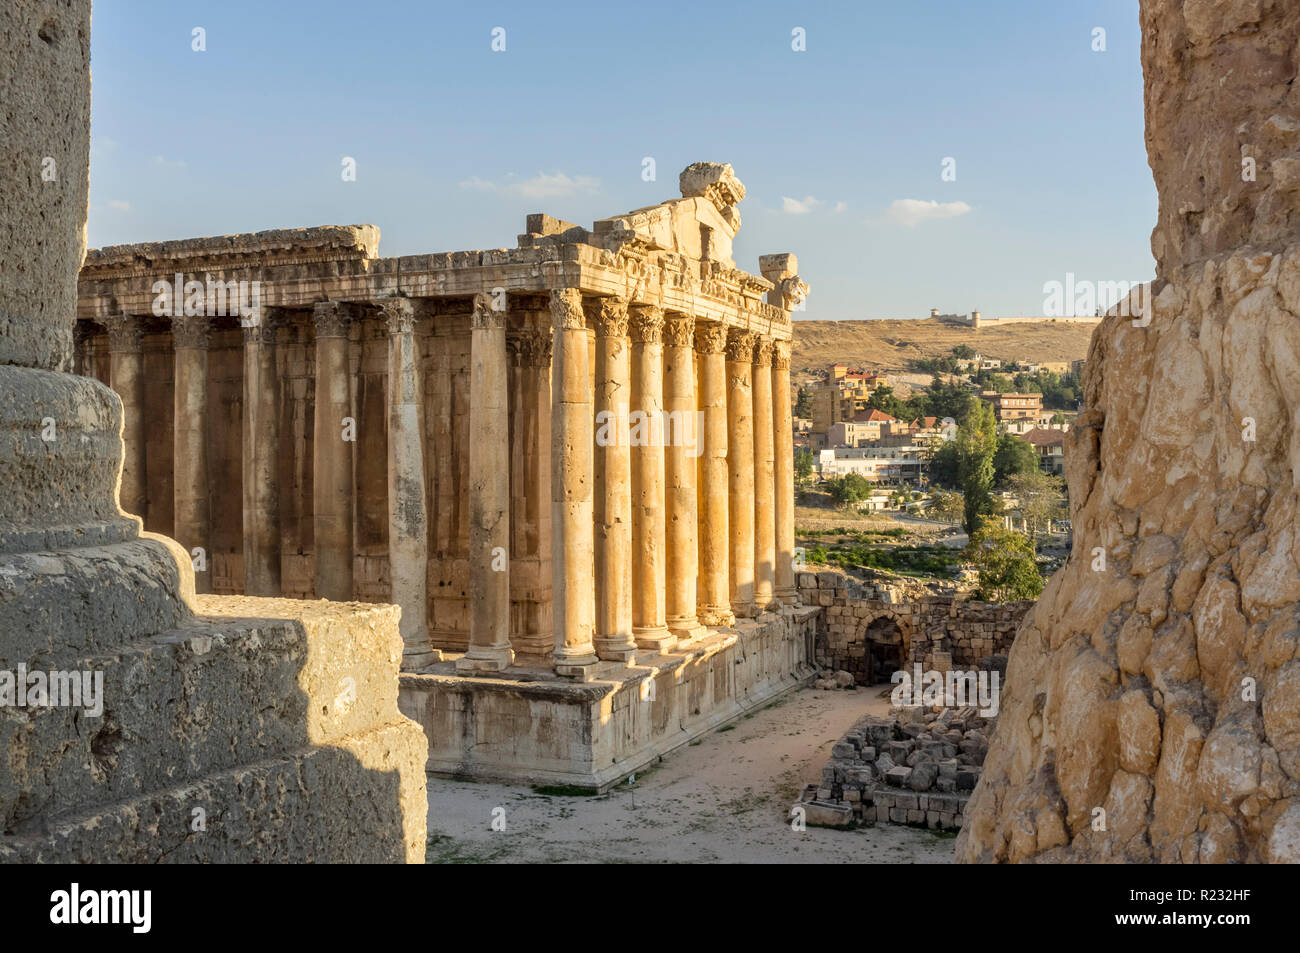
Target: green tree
{"x": 1040, "y": 498}
{"x": 1013, "y": 455}
{"x": 943, "y": 464}
{"x": 948, "y": 400}
{"x": 803, "y": 464}
{"x": 1004, "y": 562}
{"x": 850, "y": 488}
{"x": 963, "y": 352}
{"x": 976, "y": 443}
{"x": 946, "y": 506}
{"x": 803, "y": 403}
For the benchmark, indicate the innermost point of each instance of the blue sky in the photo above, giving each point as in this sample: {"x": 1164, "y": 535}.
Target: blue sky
{"x": 455, "y": 143}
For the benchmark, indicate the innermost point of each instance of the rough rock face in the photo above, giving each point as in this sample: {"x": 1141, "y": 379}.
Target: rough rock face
{"x": 1158, "y": 678}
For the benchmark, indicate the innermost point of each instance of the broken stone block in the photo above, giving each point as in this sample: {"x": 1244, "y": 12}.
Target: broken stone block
{"x": 898, "y": 777}
{"x": 825, "y": 814}
{"x": 923, "y": 775}
{"x": 966, "y": 778}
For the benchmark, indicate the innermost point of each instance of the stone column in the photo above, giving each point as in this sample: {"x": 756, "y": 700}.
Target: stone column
{"x": 764, "y": 480}
{"x": 683, "y": 440}
{"x": 193, "y": 520}
{"x": 783, "y": 453}
{"x": 572, "y": 559}
{"x": 261, "y": 460}
{"x": 332, "y": 484}
{"x": 740, "y": 469}
{"x": 649, "y": 567}
{"x": 714, "y": 597}
{"x": 613, "y": 482}
{"x": 408, "y": 521}
{"x": 489, "y": 493}
{"x": 126, "y": 373}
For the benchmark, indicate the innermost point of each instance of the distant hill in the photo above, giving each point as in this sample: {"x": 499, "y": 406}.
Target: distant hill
{"x": 892, "y": 344}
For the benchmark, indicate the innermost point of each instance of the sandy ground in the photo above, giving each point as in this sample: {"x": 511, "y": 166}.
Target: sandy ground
{"x": 725, "y": 798}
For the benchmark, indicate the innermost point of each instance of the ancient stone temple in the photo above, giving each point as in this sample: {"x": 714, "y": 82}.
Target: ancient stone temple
{"x": 1152, "y": 710}
{"x": 570, "y": 463}
{"x": 138, "y": 721}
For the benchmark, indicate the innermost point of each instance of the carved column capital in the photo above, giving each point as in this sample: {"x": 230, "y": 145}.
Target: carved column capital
{"x": 781, "y": 355}
{"x": 763, "y": 353}
{"x": 399, "y": 315}
{"x": 123, "y": 333}
{"x": 679, "y": 330}
{"x": 530, "y": 347}
{"x": 566, "y": 309}
{"x": 263, "y": 331}
{"x": 332, "y": 319}
{"x": 710, "y": 338}
{"x": 190, "y": 332}
{"x": 740, "y": 345}
{"x": 609, "y": 315}
{"x": 646, "y": 323}
{"x": 486, "y": 315}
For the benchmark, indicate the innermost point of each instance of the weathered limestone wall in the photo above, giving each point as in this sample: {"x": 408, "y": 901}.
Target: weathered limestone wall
{"x": 1162, "y": 684}
{"x": 202, "y": 707}
{"x": 865, "y": 624}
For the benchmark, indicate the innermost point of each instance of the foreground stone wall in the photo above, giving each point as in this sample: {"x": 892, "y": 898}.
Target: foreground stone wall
{"x": 869, "y": 630}
{"x": 138, "y": 723}
{"x": 1157, "y": 680}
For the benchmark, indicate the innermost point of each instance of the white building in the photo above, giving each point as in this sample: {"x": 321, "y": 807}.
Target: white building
{"x": 877, "y": 464}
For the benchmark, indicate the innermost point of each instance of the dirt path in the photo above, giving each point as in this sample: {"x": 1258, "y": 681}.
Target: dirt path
{"x": 723, "y": 799}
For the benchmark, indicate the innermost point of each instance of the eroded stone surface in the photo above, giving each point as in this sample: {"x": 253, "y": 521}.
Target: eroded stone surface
{"x": 1160, "y": 686}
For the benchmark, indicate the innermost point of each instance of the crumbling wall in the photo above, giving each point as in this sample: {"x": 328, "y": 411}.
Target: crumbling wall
{"x": 1152, "y": 710}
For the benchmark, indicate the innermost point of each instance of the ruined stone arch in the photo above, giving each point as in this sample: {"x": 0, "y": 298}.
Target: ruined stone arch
{"x": 886, "y": 637}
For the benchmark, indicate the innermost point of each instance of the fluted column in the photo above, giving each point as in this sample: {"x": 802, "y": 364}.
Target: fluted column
{"x": 332, "y": 485}
{"x": 572, "y": 561}
{"x": 193, "y": 520}
{"x": 740, "y": 469}
{"x": 764, "y": 480}
{"x": 126, "y": 374}
{"x": 489, "y": 493}
{"x": 649, "y": 567}
{"x": 408, "y": 519}
{"x": 684, "y": 441}
{"x": 261, "y": 459}
{"x": 783, "y": 455}
{"x": 714, "y": 595}
{"x": 613, "y": 473}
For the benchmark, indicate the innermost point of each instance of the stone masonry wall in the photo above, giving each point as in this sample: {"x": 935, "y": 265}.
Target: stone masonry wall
{"x": 935, "y": 631}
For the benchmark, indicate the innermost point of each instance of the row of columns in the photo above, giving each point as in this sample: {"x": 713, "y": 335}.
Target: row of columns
{"x": 655, "y": 533}
{"x": 688, "y": 525}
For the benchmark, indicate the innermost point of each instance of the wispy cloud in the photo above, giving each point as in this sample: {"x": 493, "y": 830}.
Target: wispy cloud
{"x": 840, "y": 206}
{"x": 117, "y": 205}
{"x": 166, "y": 163}
{"x": 799, "y": 206}
{"x": 541, "y": 186}
{"x": 915, "y": 211}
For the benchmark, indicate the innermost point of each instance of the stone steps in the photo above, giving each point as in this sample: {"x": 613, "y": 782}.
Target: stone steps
{"x": 260, "y": 680}
{"x": 345, "y": 802}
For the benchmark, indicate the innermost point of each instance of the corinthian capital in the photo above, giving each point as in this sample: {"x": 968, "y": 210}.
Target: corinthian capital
{"x": 740, "y": 346}
{"x": 763, "y": 353}
{"x": 399, "y": 315}
{"x": 489, "y": 312}
{"x": 645, "y": 323}
{"x": 781, "y": 355}
{"x": 566, "y": 310}
{"x": 332, "y": 319}
{"x": 123, "y": 332}
{"x": 710, "y": 338}
{"x": 190, "y": 332}
{"x": 609, "y": 315}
